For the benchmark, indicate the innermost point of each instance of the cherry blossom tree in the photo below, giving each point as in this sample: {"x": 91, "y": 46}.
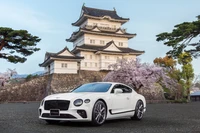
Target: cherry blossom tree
{"x": 196, "y": 83}
{"x": 6, "y": 76}
{"x": 137, "y": 75}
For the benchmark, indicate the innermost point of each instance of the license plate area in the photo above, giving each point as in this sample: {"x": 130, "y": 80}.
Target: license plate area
{"x": 54, "y": 112}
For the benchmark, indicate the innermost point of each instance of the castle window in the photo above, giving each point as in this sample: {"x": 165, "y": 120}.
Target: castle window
{"x": 114, "y": 26}
{"x": 120, "y": 43}
{"x": 106, "y": 57}
{"x": 95, "y": 64}
{"x": 92, "y": 41}
{"x": 64, "y": 65}
{"x": 117, "y": 57}
{"x": 102, "y": 42}
{"x": 85, "y": 64}
{"x": 86, "y": 56}
{"x": 90, "y": 56}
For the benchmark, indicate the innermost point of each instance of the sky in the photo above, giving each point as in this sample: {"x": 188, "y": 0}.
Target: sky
{"x": 51, "y": 21}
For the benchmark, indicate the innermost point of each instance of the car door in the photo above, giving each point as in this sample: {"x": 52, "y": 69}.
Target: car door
{"x": 121, "y": 101}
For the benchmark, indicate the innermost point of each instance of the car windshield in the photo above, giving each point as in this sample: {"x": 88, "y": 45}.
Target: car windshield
{"x": 93, "y": 87}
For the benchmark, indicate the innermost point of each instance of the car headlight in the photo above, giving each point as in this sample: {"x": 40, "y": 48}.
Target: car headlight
{"x": 78, "y": 102}
{"x": 42, "y": 103}
{"x": 86, "y": 100}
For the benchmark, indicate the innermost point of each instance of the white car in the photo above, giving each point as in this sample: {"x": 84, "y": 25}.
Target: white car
{"x": 95, "y": 102}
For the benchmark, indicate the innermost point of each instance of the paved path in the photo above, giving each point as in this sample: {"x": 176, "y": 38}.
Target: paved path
{"x": 160, "y": 118}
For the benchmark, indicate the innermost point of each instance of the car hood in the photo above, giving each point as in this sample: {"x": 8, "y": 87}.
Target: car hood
{"x": 69, "y": 96}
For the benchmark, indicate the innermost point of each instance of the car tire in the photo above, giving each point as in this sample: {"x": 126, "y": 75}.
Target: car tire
{"x": 139, "y": 111}
{"x": 99, "y": 113}
{"x": 52, "y": 121}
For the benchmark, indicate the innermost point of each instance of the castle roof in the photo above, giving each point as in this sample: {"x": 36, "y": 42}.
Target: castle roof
{"x": 49, "y": 57}
{"x": 100, "y": 13}
{"x": 105, "y": 49}
{"x": 97, "y": 30}
{"x": 94, "y": 13}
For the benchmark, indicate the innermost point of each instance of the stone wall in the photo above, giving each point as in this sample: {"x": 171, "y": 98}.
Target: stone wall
{"x": 66, "y": 82}
{"x": 37, "y": 88}
{"x": 32, "y": 90}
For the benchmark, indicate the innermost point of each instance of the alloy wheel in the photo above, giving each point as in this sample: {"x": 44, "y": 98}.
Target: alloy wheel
{"x": 99, "y": 111}
{"x": 140, "y": 110}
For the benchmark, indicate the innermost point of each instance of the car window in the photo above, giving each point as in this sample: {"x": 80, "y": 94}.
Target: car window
{"x": 124, "y": 88}
{"x": 93, "y": 87}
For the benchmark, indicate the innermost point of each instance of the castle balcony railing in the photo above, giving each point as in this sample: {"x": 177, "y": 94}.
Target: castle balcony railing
{"x": 103, "y": 28}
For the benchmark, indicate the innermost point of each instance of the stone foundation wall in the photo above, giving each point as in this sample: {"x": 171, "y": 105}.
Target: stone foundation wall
{"x": 32, "y": 90}
{"x": 65, "y": 82}
{"x": 37, "y": 88}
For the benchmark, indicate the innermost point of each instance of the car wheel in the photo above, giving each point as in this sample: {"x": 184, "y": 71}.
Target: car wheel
{"x": 52, "y": 121}
{"x": 99, "y": 113}
{"x": 139, "y": 111}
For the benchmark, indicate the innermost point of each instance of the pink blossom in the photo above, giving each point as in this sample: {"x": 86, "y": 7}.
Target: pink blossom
{"x": 137, "y": 74}
{"x": 6, "y": 76}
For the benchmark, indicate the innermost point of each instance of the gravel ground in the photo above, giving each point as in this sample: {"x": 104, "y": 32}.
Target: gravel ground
{"x": 159, "y": 118}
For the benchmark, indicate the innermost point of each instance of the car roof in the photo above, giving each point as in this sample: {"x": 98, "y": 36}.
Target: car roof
{"x": 113, "y": 83}
{"x": 107, "y": 82}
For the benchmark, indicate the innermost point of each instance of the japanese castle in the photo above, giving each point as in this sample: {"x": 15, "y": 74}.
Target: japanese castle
{"x": 99, "y": 42}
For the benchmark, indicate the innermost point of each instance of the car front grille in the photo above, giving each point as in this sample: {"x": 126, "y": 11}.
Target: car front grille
{"x": 56, "y": 104}
{"x": 47, "y": 115}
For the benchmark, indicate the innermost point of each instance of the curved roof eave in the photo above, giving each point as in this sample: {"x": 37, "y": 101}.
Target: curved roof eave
{"x": 85, "y": 16}
{"x": 74, "y": 36}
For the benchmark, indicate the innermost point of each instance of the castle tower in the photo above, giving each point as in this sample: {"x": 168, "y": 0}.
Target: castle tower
{"x": 99, "y": 42}
{"x": 100, "y": 39}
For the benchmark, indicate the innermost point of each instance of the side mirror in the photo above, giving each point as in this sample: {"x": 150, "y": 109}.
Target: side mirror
{"x": 70, "y": 90}
{"x": 118, "y": 90}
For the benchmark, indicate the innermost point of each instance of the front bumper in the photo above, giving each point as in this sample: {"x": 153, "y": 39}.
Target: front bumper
{"x": 72, "y": 114}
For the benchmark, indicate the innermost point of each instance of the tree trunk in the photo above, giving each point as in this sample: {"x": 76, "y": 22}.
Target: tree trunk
{"x": 188, "y": 94}
{"x": 2, "y": 44}
{"x": 188, "y": 90}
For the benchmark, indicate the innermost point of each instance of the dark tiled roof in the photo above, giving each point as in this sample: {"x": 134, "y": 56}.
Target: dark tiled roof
{"x": 100, "y": 13}
{"x": 106, "y": 33}
{"x": 129, "y": 50}
{"x": 50, "y": 54}
{"x": 94, "y": 13}
{"x": 68, "y": 57}
{"x": 101, "y": 48}
{"x": 92, "y": 47}
{"x": 61, "y": 57}
{"x": 56, "y": 55}
{"x": 112, "y": 33}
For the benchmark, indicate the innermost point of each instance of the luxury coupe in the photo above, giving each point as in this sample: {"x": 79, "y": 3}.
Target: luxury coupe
{"x": 95, "y": 102}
